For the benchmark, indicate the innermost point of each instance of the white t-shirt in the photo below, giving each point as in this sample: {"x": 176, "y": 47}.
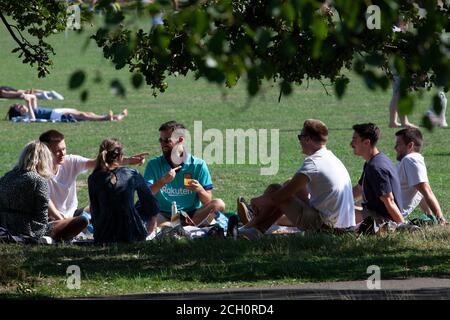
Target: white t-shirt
{"x": 411, "y": 171}
{"x": 330, "y": 188}
{"x": 63, "y": 186}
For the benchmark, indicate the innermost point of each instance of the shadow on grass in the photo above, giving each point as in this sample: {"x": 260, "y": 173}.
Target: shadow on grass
{"x": 305, "y": 259}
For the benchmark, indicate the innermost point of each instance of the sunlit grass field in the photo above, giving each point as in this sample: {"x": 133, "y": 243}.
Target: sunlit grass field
{"x": 153, "y": 267}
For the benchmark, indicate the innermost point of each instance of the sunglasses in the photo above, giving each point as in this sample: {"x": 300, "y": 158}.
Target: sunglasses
{"x": 166, "y": 140}
{"x": 300, "y": 136}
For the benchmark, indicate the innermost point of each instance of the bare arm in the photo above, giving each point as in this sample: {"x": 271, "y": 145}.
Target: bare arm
{"x": 31, "y": 112}
{"x": 205, "y": 196}
{"x": 54, "y": 213}
{"x": 298, "y": 182}
{"x": 135, "y": 159}
{"x": 90, "y": 164}
{"x": 391, "y": 206}
{"x": 430, "y": 199}
{"x": 357, "y": 191}
{"x": 167, "y": 178}
{"x": 10, "y": 94}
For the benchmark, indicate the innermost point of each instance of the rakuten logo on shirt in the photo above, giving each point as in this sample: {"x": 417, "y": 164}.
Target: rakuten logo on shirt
{"x": 175, "y": 191}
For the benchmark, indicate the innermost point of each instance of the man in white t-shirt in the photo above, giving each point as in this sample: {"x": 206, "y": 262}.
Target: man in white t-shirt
{"x": 319, "y": 194}
{"x": 63, "y": 187}
{"x": 413, "y": 174}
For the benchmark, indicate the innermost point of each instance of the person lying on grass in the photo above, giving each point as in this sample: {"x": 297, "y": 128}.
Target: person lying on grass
{"x": 21, "y": 110}
{"x": 13, "y": 93}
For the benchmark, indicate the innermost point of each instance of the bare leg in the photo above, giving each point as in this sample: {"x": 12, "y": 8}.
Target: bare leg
{"x": 211, "y": 207}
{"x": 358, "y": 216}
{"x": 121, "y": 116}
{"x": 151, "y": 224}
{"x": 90, "y": 116}
{"x": 393, "y": 116}
{"x": 266, "y": 218}
{"x": 68, "y": 228}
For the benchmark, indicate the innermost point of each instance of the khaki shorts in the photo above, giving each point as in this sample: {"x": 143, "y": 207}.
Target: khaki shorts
{"x": 302, "y": 215}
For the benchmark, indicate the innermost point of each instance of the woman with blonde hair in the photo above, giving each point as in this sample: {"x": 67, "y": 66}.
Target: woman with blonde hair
{"x": 115, "y": 216}
{"x": 24, "y": 197}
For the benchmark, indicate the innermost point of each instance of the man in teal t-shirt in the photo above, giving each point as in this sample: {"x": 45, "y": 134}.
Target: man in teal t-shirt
{"x": 180, "y": 177}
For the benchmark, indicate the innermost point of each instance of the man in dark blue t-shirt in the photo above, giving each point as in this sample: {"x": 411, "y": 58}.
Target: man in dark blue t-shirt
{"x": 379, "y": 184}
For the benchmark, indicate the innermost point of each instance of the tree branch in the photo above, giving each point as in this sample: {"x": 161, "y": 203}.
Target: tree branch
{"x": 13, "y": 35}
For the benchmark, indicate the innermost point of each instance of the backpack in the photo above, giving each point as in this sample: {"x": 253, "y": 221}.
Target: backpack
{"x": 371, "y": 226}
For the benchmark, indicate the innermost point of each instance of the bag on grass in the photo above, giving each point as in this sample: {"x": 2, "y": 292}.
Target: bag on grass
{"x": 8, "y": 237}
{"x": 425, "y": 220}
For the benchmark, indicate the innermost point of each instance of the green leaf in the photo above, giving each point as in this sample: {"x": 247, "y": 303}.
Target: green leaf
{"x": 117, "y": 88}
{"x": 137, "y": 80}
{"x": 340, "y": 85}
{"x": 437, "y": 106}
{"x": 84, "y": 95}
{"x": 76, "y": 79}
{"x": 426, "y": 122}
{"x": 320, "y": 28}
{"x": 405, "y": 105}
{"x": 286, "y": 88}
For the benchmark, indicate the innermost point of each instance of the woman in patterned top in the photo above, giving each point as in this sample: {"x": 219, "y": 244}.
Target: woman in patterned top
{"x": 24, "y": 197}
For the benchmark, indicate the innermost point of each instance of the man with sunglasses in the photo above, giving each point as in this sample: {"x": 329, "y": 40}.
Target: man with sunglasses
{"x": 318, "y": 195}
{"x": 176, "y": 176}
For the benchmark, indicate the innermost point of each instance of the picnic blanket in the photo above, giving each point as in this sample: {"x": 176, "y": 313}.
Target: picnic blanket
{"x": 64, "y": 118}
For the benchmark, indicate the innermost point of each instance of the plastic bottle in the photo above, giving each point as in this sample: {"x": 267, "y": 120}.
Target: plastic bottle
{"x": 175, "y": 217}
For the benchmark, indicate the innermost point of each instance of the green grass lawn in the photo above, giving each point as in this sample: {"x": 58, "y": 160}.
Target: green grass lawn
{"x": 154, "y": 267}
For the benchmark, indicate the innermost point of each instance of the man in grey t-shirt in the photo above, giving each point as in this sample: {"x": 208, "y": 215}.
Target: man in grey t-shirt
{"x": 320, "y": 193}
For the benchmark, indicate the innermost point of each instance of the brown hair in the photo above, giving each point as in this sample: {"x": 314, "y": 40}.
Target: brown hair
{"x": 110, "y": 154}
{"x": 316, "y": 130}
{"x": 411, "y": 135}
{"x": 171, "y": 125}
{"x": 368, "y": 131}
{"x": 51, "y": 136}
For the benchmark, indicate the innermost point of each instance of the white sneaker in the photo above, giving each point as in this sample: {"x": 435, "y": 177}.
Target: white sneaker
{"x": 45, "y": 240}
{"x": 151, "y": 236}
{"x": 442, "y": 122}
{"x": 56, "y": 95}
{"x": 44, "y": 95}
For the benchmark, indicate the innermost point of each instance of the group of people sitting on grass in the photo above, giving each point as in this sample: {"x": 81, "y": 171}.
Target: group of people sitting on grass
{"x": 38, "y": 197}
{"x": 31, "y": 111}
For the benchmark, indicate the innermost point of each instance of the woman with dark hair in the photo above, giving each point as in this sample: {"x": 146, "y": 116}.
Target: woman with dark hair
{"x": 115, "y": 216}
{"x": 24, "y": 198}
{"x": 21, "y": 110}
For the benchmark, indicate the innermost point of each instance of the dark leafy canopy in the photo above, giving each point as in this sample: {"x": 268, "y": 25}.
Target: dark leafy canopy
{"x": 289, "y": 42}
{"x": 38, "y": 19}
